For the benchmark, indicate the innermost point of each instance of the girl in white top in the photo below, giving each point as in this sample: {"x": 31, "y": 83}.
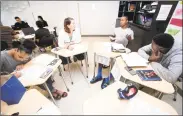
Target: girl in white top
{"x": 68, "y": 37}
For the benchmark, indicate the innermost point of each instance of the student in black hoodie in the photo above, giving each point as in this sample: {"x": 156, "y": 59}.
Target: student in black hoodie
{"x": 20, "y": 24}
{"x": 40, "y": 18}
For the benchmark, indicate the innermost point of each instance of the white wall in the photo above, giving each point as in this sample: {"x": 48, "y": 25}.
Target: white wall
{"x": 98, "y": 17}
{"x": 15, "y": 8}
{"x": 54, "y": 12}
{"x": 94, "y": 18}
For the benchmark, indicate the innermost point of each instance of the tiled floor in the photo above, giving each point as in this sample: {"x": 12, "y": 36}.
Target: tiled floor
{"x": 81, "y": 90}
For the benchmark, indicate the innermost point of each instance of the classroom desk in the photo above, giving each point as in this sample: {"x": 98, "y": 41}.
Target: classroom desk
{"x": 30, "y": 103}
{"x": 41, "y": 61}
{"x": 107, "y": 103}
{"x": 161, "y": 86}
{"x": 104, "y": 49}
{"x": 78, "y": 49}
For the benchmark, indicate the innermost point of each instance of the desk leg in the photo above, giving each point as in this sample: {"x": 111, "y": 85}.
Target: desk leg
{"x": 94, "y": 65}
{"x": 49, "y": 93}
{"x": 86, "y": 63}
{"x": 69, "y": 70}
{"x": 160, "y": 95}
{"x": 110, "y": 65}
{"x": 59, "y": 69}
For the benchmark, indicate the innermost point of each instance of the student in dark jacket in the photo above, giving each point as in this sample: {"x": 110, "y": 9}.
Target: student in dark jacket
{"x": 20, "y": 24}
{"x": 43, "y": 36}
{"x": 40, "y": 18}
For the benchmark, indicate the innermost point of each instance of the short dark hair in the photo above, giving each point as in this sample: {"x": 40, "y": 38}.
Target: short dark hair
{"x": 17, "y": 17}
{"x": 164, "y": 40}
{"x": 67, "y": 21}
{"x": 125, "y": 17}
{"x": 40, "y": 17}
{"x": 27, "y": 46}
{"x": 39, "y": 24}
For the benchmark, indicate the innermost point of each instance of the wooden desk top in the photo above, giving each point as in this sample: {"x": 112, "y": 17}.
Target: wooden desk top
{"x": 162, "y": 86}
{"x": 78, "y": 49}
{"x": 30, "y": 103}
{"x": 40, "y": 61}
{"x": 104, "y": 49}
{"x": 107, "y": 103}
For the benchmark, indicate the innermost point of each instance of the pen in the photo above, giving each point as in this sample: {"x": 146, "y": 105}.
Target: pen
{"x": 39, "y": 109}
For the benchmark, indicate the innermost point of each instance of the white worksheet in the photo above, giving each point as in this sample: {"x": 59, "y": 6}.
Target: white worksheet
{"x": 33, "y": 72}
{"x": 116, "y": 72}
{"x": 134, "y": 59}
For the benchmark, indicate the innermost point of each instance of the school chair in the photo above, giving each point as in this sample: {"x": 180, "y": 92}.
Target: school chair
{"x": 176, "y": 88}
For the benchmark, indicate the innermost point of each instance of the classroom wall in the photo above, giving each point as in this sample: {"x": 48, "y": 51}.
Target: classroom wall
{"x": 10, "y": 9}
{"x": 175, "y": 27}
{"x": 93, "y": 17}
{"x": 98, "y": 17}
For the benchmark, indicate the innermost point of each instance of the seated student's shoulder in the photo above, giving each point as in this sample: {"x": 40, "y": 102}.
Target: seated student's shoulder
{"x": 3, "y": 55}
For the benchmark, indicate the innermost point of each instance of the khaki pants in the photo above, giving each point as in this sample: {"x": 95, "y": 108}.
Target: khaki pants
{"x": 44, "y": 92}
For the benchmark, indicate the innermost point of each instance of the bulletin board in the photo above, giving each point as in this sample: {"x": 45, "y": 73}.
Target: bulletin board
{"x": 175, "y": 25}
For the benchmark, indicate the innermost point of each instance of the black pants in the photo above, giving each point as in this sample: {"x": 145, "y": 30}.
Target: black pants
{"x": 45, "y": 42}
{"x": 49, "y": 83}
{"x": 79, "y": 57}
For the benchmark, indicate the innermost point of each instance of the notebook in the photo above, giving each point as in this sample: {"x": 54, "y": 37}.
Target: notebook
{"x": 133, "y": 59}
{"x": 148, "y": 75}
{"x": 117, "y": 46}
{"x": 12, "y": 91}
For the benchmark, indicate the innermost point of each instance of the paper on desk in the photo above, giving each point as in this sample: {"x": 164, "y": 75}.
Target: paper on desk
{"x": 116, "y": 72}
{"x": 32, "y": 72}
{"x": 134, "y": 59}
{"x": 139, "y": 107}
{"x": 117, "y": 46}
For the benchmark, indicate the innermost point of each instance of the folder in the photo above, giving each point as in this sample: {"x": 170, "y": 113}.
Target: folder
{"x": 12, "y": 91}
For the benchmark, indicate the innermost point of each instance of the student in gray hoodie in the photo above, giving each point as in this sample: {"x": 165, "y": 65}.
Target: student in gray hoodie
{"x": 165, "y": 56}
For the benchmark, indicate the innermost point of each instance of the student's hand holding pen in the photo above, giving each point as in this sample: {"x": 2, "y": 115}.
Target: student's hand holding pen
{"x": 16, "y": 73}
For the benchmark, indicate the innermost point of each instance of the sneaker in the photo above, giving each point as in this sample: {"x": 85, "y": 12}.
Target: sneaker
{"x": 105, "y": 83}
{"x": 95, "y": 79}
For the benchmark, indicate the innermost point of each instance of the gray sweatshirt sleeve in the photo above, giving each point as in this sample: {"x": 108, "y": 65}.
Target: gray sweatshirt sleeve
{"x": 145, "y": 51}
{"x": 2, "y": 62}
{"x": 174, "y": 70}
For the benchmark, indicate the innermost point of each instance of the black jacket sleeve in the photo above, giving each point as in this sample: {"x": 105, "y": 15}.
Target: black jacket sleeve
{"x": 45, "y": 24}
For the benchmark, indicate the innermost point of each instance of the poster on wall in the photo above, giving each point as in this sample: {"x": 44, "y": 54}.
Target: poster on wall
{"x": 164, "y": 12}
{"x": 175, "y": 25}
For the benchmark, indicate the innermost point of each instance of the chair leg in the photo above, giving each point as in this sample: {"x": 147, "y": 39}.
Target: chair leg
{"x": 63, "y": 67}
{"x": 81, "y": 63}
{"x": 175, "y": 93}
